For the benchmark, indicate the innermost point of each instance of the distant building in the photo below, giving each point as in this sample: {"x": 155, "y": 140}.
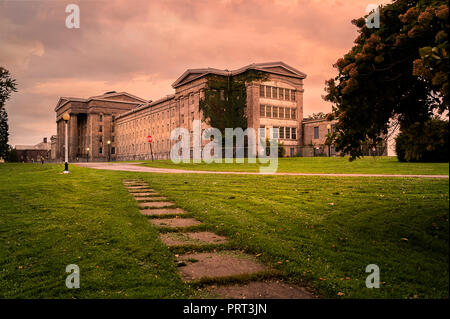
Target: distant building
{"x": 33, "y": 153}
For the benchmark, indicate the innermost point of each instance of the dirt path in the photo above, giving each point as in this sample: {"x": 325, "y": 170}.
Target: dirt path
{"x": 135, "y": 167}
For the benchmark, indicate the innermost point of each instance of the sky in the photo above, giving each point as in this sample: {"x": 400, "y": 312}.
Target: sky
{"x": 142, "y": 47}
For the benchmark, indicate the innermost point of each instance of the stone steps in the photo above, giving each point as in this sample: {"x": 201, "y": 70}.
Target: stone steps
{"x": 213, "y": 265}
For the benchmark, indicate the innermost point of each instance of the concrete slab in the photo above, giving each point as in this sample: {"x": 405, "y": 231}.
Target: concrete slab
{"x": 192, "y": 238}
{"x": 145, "y": 194}
{"x": 196, "y": 266}
{"x": 137, "y": 187}
{"x": 174, "y": 222}
{"x": 156, "y": 204}
{"x": 260, "y": 290}
{"x": 162, "y": 211}
{"x": 141, "y": 190}
{"x": 149, "y": 199}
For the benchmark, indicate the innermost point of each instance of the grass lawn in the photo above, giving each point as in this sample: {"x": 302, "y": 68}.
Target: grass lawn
{"x": 321, "y": 231}
{"x": 366, "y": 165}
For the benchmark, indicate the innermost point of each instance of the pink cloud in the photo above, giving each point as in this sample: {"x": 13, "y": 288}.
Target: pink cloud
{"x": 143, "y": 46}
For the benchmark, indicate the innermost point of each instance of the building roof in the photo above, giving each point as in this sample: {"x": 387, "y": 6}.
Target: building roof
{"x": 147, "y": 105}
{"x": 270, "y": 67}
{"x": 38, "y": 147}
{"x": 104, "y": 97}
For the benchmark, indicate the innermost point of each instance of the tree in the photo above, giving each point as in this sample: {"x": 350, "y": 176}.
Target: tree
{"x": 7, "y": 86}
{"x": 12, "y": 156}
{"x": 225, "y": 99}
{"x": 391, "y": 72}
{"x": 426, "y": 143}
{"x": 4, "y": 147}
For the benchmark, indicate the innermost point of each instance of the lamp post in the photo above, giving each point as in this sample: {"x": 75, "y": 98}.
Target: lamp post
{"x": 329, "y": 146}
{"x": 87, "y": 154}
{"x": 66, "y": 118}
{"x": 109, "y": 150}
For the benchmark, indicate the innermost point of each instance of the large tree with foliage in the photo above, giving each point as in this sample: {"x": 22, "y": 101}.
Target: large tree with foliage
{"x": 7, "y": 86}
{"x": 396, "y": 71}
{"x": 225, "y": 98}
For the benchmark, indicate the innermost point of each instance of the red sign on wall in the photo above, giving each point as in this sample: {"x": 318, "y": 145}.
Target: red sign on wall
{"x": 149, "y": 138}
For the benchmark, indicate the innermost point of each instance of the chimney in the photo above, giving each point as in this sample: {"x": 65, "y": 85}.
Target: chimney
{"x": 45, "y": 140}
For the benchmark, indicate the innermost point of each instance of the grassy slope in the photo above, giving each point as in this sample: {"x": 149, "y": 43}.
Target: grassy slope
{"x": 368, "y": 165}
{"x": 49, "y": 220}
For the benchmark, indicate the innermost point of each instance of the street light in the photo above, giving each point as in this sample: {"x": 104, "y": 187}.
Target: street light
{"x": 329, "y": 145}
{"x": 66, "y": 118}
{"x": 109, "y": 150}
{"x": 87, "y": 154}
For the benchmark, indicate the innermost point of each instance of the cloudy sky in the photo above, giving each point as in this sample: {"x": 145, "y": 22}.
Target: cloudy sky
{"x": 142, "y": 46}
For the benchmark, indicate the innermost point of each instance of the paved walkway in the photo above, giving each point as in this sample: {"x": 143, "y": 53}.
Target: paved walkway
{"x": 135, "y": 167}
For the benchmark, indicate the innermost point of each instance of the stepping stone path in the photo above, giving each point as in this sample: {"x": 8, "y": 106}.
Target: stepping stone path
{"x": 210, "y": 265}
{"x": 175, "y": 222}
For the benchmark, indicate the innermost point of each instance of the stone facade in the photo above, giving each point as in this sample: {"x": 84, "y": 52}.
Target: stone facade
{"x": 159, "y": 118}
{"x": 91, "y": 125}
{"x": 274, "y": 109}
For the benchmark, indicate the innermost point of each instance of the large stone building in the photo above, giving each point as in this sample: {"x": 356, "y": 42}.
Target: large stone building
{"x": 91, "y": 124}
{"x": 115, "y": 126}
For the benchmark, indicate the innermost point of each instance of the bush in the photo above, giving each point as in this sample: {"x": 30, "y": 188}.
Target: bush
{"x": 424, "y": 142}
{"x": 12, "y": 156}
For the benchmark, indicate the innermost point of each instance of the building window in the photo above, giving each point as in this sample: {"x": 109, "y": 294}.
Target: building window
{"x": 294, "y": 133}
{"x": 101, "y": 118}
{"x": 268, "y": 92}
{"x": 275, "y": 132}
{"x": 113, "y": 118}
{"x": 100, "y": 150}
{"x": 112, "y": 138}
{"x": 293, "y": 95}
{"x": 316, "y": 132}
{"x": 262, "y": 132}
{"x": 113, "y": 150}
{"x": 192, "y": 116}
{"x": 262, "y": 110}
{"x": 268, "y": 111}
{"x": 293, "y": 114}
{"x": 100, "y": 138}
{"x": 112, "y": 128}
{"x": 275, "y": 111}
{"x": 261, "y": 91}
{"x": 281, "y": 112}
{"x": 182, "y": 118}
{"x": 274, "y": 92}
{"x": 286, "y": 94}
{"x": 100, "y": 128}
{"x": 288, "y": 132}
{"x": 281, "y": 132}
{"x": 281, "y": 93}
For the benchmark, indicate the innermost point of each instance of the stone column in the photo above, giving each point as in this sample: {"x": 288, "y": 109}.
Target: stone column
{"x": 73, "y": 137}
{"x": 299, "y": 100}
{"x": 59, "y": 140}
